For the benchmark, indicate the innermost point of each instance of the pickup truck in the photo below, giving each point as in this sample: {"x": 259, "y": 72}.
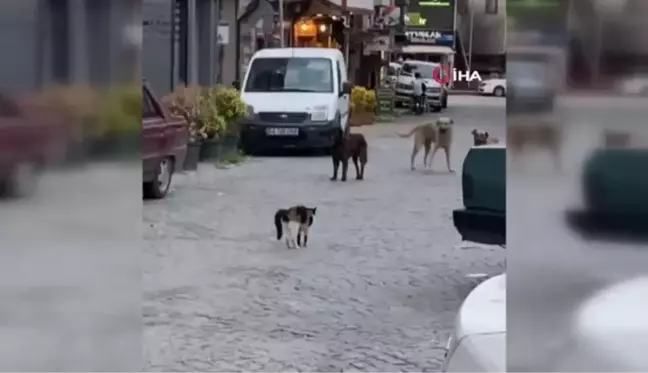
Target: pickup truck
{"x": 164, "y": 145}
{"x": 31, "y": 137}
{"x": 483, "y": 218}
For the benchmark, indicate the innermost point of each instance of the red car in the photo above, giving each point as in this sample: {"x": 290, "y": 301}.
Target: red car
{"x": 164, "y": 145}
{"x": 30, "y": 138}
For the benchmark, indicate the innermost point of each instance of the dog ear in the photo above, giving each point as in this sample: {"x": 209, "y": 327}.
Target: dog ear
{"x": 486, "y": 134}
{"x": 451, "y": 121}
{"x": 314, "y": 210}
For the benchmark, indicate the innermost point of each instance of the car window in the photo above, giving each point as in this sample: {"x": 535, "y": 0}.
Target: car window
{"x": 8, "y": 108}
{"x": 148, "y": 108}
{"x": 425, "y": 70}
{"x": 294, "y": 74}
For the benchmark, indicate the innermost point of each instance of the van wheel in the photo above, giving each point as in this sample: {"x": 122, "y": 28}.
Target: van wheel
{"x": 159, "y": 187}
{"x": 499, "y": 91}
{"x": 436, "y": 109}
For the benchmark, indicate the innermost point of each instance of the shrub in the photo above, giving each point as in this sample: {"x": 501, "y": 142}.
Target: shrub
{"x": 370, "y": 100}
{"x": 230, "y": 106}
{"x": 210, "y": 122}
{"x": 121, "y": 111}
{"x": 184, "y": 101}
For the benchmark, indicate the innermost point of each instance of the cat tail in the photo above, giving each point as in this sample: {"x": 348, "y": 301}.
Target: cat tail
{"x": 278, "y": 224}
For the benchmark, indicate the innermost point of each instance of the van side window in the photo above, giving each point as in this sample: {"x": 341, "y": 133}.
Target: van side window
{"x": 148, "y": 110}
{"x": 339, "y": 76}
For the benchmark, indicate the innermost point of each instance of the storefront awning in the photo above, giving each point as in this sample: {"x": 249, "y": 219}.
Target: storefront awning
{"x": 426, "y": 49}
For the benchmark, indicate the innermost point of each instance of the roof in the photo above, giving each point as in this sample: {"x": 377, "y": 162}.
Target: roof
{"x": 298, "y": 52}
{"x": 490, "y": 146}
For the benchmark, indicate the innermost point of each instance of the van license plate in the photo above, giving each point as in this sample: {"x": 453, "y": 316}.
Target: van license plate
{"x": 282, "y": 131}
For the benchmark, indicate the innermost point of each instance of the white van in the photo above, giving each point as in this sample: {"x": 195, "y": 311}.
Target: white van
{"x": 298, "y": 98}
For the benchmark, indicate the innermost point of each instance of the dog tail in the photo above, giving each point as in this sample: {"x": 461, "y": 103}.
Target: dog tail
{"x": 406, "y": 135}
{"x": 278, "y": 225}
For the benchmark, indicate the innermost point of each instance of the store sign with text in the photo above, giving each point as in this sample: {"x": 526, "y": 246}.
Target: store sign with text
{"x": 430, "y": 37}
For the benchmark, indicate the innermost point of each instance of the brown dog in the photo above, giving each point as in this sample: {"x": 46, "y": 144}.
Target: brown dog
{"x": 439, "y": 133}
{"x": 545, "y": 135}
{"x": 354, "y": 146}
{"x": 483, "y": 138}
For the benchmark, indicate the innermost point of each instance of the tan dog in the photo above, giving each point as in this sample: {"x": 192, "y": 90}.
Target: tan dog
{"x": 439, "y": 133}
{"x": 483, "y": 138}
{"x": 544, "y": 135}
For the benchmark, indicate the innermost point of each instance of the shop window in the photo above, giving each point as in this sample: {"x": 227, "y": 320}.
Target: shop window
{"x": 491, "y": 7}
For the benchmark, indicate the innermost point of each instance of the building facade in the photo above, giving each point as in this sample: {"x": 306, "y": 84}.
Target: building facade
{"x": 483, "y": 31}
{"x": 68, "y": 41}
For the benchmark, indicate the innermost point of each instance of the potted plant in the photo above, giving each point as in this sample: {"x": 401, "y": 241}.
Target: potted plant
{"x": 119, "y": 122}
{"x": 231, "y": 107}
{"x": 211, "y": 124}
{"x": 358, "y": 103}
{"x": 370, "y": 106}
{"x": 76, "y": 105}
{"x": 184, "y": 102}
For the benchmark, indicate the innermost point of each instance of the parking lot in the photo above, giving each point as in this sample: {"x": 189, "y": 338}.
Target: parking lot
{"x": 376, "y": 290}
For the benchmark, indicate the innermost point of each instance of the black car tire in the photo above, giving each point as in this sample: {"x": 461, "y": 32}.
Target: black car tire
{"x": 499, "y": 91}
{"x": 158, "y": 189}
{"x": 436, "y": 109}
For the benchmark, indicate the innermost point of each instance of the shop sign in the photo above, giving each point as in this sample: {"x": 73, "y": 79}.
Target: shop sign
{"x": 430, "y": 37}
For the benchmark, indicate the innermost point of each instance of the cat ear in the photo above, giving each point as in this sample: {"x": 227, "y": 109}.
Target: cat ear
{"x": 314, "y": 210}
{"x": 474, "y": 132}
{"x": 486, "y": 133}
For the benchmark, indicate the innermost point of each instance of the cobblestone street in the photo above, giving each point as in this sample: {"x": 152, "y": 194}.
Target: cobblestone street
{"x": 376, "y": 290}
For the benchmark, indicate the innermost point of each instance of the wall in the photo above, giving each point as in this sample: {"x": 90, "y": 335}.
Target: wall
{"x": 489, "y": 30}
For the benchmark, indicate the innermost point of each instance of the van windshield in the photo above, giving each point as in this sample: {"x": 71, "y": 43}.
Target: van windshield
{"x": 294, "y": 74}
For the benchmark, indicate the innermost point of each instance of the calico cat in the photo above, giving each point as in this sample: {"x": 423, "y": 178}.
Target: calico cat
{"x": 292, "y": 223}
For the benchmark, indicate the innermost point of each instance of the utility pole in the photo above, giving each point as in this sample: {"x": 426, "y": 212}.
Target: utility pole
{"x": 282, "y": 37}
{"x": 472, "y": 36}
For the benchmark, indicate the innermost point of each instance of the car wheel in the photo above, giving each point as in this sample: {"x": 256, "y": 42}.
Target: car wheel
{"x": 159, "y": 187}
{"x": 499, "y": 91}
{"x": 436, "y": 109}
{"x": 22, "y": 181}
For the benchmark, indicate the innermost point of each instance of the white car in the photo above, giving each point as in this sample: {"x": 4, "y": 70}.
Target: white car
{"x": 634, "y": 85}
{"x": 493, "y": 87}
{"x": 479, "y": 340}
{"x": 437, "y": 94}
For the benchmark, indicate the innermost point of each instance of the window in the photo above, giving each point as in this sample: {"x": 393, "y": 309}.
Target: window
{"x": 491, "y": 7}
{"x": 148, "y": 109}
{"x": 295, "y": 74}
{"x": 426, "y": 70}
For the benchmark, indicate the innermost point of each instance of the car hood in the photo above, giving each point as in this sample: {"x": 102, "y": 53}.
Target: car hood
{"x": 613, "y": 328}
{"x": 410, "y": 80}
{"x": 288, "y": 101}
{"x": 484, "y": 310}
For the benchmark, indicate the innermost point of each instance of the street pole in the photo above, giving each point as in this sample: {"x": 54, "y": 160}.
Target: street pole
{"x": 472, "y": 34}
{"x": 281, "y": 24}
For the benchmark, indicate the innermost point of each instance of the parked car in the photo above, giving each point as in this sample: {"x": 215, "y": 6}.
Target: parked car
{"x": 393, "y": 70}
{"x": 478, "y": 342}
{"x": 493, "y": 87}
{"x": 164, "y": 145}
{"x": 299, "y": 98}
{"x": 483, "y": 218}
{"x": 31, "y": 137}
{"x": 633, "y": 85}
{"x": 436, "y": 94}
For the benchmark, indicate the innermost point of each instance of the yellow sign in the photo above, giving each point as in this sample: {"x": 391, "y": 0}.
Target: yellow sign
{"x": 415, "y": 19}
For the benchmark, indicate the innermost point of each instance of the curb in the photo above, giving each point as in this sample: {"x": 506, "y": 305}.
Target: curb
{"x": 463, "y": 93}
